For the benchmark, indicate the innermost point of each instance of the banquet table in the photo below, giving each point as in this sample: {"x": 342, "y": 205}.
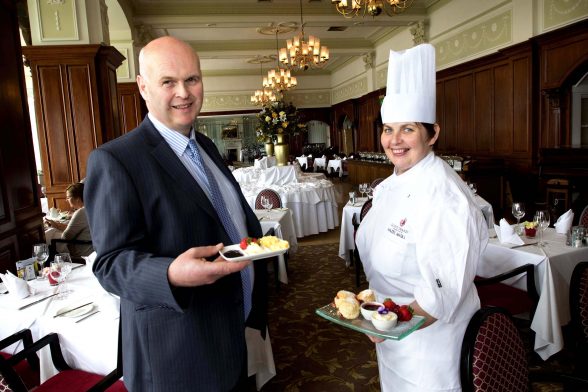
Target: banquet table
{"x": 265, "y": 162}
{"x": 320, "y": 163}
{"x": 311, "y": 198}
{"x": 281, "y": 221}
{"x": 554, "y": 264}
{"x": 304, "y": 161}
{"x": 91, "y": 344}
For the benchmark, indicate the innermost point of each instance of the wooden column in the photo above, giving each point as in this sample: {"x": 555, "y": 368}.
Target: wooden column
{"x": 132, "y": 106}
{"x": 21, "y": 223}
{"x": 76, "y": 106}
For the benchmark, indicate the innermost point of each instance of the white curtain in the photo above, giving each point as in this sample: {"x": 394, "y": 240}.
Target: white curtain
{"x": 318, "y": 132}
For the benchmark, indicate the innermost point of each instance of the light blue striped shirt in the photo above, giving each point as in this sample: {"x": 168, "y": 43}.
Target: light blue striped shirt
{"x": 179, "y": 144}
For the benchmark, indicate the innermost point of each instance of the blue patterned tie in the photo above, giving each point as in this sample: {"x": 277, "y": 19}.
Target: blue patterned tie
{"x": 221, "y": 209}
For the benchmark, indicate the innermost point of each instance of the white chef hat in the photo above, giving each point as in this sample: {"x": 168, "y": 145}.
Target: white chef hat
{"x": 410, "y": 92}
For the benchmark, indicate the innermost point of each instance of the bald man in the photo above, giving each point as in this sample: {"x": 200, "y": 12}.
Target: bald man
{"x": 157, "y": 231}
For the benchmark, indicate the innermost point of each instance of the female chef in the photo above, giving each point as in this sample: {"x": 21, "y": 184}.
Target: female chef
{"x": 421, "y": 240}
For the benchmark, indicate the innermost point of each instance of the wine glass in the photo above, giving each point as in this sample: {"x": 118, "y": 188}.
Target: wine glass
{"x": 518, "y": 211}
{"x": 542, "y": 220}
{"x": 64, "y": 267}
{"x": 267, "y": 204}
{"x": 370, "y": 191}
{"x": 363, "y": 188}
{"x": 41, "y": 254}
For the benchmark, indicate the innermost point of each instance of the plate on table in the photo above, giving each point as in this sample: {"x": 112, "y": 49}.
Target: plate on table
{"x": 360, "y": 324}
{"x": 74, "y": 310}
{"x": 235, "y": 253}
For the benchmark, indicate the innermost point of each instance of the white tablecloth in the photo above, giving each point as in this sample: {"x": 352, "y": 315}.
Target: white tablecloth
{"x": 346, "y": 242}
{"x": 281, "y": 221}
{"x": 554, "y": 265}
{"x": 336, "y": 164}
{"x": 91, "y": 344}
{"x": 304, "y": 161}
{"x": 265, "y": 162}
{"x": 320, "y": 163}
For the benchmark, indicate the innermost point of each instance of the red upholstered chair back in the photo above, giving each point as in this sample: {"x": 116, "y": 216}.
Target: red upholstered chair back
{"x": 579, "y": 312}
{"x": 273, "y": 197}
{"x": 584, "y": 218}
{"x": 493, "y": 357}
{"x": 365, "y": 209}
{"x": 376, "y": 182}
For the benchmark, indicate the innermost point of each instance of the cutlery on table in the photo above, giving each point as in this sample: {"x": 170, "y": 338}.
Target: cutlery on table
{"x": 71, "y": 310}
{"x": 86, "y": 316}
{"x": 37, "y": 301}
{"x": 520, "y": 246}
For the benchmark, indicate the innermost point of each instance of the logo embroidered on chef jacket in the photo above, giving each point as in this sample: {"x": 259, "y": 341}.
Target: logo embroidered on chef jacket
{"x": 398, "y": 230}
{"x": 402, "y": 222}
{"x": 438, "y": 283}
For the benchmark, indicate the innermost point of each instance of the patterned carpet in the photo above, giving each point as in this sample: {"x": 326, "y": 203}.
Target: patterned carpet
{"x": 312, "y": 354}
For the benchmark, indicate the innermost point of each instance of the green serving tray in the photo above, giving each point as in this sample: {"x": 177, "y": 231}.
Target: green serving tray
{"x": 400, "y": 331}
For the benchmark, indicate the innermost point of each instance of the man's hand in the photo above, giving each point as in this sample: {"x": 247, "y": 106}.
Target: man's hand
{"x": 375, "y": 339}
{"x": 191, "y": 268}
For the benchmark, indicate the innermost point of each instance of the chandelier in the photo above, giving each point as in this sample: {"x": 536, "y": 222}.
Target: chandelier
{"x": 264, "y": 95}
{"x": 352, "y": 8}
{"x": 304, "y": 54}
{"x": 279, "y": 79}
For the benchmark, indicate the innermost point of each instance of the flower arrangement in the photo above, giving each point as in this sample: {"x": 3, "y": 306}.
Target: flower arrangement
{"x": 530, "y": 228}
{"x": 278, "y": 118}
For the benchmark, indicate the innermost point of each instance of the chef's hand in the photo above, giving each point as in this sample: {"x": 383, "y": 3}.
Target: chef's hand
{"x": 375, "y": 339}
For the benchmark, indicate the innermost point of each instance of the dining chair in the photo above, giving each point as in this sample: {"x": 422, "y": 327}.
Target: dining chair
{"x": 493, "y": 356}
{"x": 68, "y": 379}
{"x": 516, "y": 301}
{"x": 355, "y": 221}
{"x": 273, "y": 197}
{"x": 55, "y": 241}
{"x": 28, "y": 368}
{"x": 584, "y": 217}
{"x": 376, "y": 182}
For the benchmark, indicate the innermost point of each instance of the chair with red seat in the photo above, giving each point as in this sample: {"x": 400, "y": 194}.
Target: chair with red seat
{"x": 493, "y": 356}
{"x": 67, "y": 379}
{"x": 28, "y": 369}
{"x": 584, "y": 217}
{"x": 494, "y": 293}
{"x": 272, "y": 196}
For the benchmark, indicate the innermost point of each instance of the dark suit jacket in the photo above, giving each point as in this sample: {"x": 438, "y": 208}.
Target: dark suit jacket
{"x": 144, "y": 210}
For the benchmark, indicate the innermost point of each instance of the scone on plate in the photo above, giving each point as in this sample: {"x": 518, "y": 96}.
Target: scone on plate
{"x": 341, "y": 295}
{"x": 366, "y": 296}
{"x": 349, "y": 308}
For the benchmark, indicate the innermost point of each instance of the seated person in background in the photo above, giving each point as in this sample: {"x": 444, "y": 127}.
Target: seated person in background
{"x": 77, "y": 228}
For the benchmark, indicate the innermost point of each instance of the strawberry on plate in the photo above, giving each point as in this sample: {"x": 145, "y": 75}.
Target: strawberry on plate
{"x": 389, "y": 304}
{"x": 245, "y": 242}
{"x": 404, "y": 313}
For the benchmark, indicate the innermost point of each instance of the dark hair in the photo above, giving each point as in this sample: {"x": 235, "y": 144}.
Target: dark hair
{"x": 76, "y": 191}
{"x": 430, "y": 129}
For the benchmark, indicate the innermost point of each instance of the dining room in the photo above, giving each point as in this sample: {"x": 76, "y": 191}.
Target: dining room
{"x": 511, "y": 105}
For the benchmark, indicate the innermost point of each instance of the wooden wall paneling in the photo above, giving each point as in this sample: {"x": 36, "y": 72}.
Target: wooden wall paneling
{"x": 522, "y": 103}
{"x": 338, "y": 114}
{"x": 466, "y": 140}
{"x": 503, "y": 109}
{"x": 76, "y": 104}
{"x": 132, "y": 106}
{"x": 483, "y": 117}
{"x": 20, "y": 211}
{"x": 451, "y": 114}
{"x": 440, "y": 112}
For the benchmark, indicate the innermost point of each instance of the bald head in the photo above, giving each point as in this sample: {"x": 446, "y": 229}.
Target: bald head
{"x": 170, "y": 81}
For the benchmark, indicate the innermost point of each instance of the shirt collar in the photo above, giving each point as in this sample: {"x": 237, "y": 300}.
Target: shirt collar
{"x": 176, "y": 140}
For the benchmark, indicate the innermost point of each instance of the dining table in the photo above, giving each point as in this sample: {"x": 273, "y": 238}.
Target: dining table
{"x": 554, "y": 263}
{"x": 309, "y": 196}
{"x": 346, "y": 240}
{"x": 337, "y": 165}
{"x": 89, "y": 338}
{"x": 280, "y": 219}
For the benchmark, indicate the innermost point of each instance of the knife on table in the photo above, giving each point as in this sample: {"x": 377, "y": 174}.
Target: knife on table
{"x": 520, "y": 246}
{"x": 37, "y": 301}
{"x": 71, "y": 310}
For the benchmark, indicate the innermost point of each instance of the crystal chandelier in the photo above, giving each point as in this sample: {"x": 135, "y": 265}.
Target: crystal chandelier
{"x": 264, "y": 95}
{"x": 279, "y": 79}
{"x": 304, "y": 54}
{"x": 352, "y": 8}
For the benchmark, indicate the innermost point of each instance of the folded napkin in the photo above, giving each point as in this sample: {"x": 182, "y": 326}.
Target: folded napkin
{"x": 89, "y": 260}
{"x": 506, "y": 234}
{"x": 16, "y": 286}
{"x": 564, "y": 222}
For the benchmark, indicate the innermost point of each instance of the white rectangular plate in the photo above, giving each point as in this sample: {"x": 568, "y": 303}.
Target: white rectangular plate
{"x": 263, "y": 255}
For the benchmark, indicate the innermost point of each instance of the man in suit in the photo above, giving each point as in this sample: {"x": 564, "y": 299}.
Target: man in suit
{"x": 156, "y": 225}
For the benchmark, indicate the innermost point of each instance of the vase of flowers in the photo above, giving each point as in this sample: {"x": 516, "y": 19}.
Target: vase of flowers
{"x": 269, "y": 146}
{"x": 280, "y": 120}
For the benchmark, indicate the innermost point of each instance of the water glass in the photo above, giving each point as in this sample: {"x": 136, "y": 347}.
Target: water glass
{"x": 352, "y": 197}
{"x": 578, "y": 234}
{"x": 41, "y": 254}
{"x": 542, "y": 219}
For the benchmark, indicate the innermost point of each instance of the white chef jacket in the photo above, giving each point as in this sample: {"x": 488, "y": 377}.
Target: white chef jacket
{"x": 422, "y": 240}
